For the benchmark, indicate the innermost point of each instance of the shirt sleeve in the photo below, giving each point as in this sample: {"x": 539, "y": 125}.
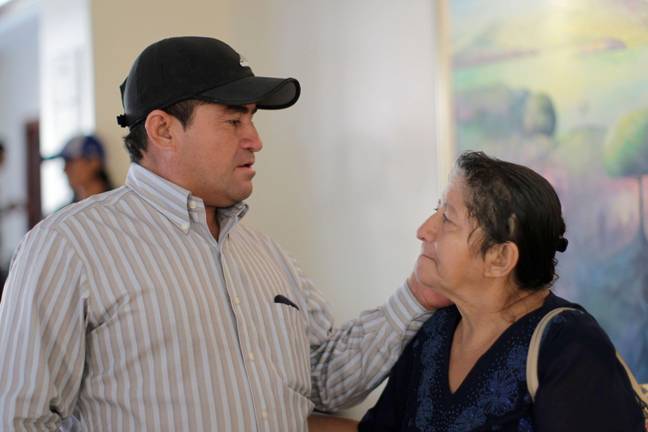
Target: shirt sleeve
{"x": 42, "y": 334}
{"x": 350, "y": 361}
{"x": 582, "y": 386}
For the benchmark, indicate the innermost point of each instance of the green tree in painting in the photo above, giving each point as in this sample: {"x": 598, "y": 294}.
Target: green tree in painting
{"x": 539, "y": 115}
{"x": 626, "y": 154}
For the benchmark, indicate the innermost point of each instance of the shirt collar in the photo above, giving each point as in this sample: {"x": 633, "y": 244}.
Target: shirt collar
{"x": 174, "y": 202}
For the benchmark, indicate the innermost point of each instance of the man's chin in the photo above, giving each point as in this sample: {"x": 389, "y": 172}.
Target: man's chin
{"x": 230, "y": 199}
{"x": 241, "y": 196}
{"x": 244, "y": 194}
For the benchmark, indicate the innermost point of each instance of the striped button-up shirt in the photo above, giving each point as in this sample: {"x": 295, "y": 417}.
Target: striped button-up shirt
{"x": 125, "y": 311}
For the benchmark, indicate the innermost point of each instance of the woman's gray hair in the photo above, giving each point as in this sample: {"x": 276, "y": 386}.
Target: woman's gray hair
{"x": 513, "y": 203}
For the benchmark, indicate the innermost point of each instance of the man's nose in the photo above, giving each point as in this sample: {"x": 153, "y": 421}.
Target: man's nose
{"x": 251, "y": 140}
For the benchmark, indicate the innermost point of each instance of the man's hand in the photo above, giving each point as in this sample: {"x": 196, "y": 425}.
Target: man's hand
{"x": 427, "y": 296}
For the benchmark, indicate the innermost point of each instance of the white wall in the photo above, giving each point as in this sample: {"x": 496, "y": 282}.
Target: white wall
{"x": 348, "y": 173}
{"x": 19, "y": 104}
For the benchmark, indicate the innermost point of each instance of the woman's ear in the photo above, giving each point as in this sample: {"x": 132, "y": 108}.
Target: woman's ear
{"x": 501, "y": 259}
{"x": 158, "y": 125}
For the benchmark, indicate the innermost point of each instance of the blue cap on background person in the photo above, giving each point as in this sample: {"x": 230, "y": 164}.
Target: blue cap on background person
{"x": 80, "y": 146}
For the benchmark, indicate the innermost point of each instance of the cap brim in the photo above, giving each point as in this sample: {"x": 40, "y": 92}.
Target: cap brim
{"x": 265, "y": 92}
{"x": 52, "y": 157}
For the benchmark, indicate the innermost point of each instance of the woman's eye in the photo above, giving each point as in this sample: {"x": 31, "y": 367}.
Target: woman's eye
{"x": 235, "y": 122}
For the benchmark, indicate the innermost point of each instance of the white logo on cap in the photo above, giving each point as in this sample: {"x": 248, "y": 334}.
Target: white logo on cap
{"x": 243, "y": 61}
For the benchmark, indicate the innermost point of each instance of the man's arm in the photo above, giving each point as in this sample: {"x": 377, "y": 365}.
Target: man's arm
{"x": 42, "y": 333}
{"x": 347, "y": 363}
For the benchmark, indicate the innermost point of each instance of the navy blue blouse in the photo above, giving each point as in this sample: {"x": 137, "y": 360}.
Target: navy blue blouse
{"x": 582, "y": 385}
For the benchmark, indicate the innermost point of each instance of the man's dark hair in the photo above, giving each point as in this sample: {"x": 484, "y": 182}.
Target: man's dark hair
{"x": 136, "y": 141}
{"x": 513, "y": 203}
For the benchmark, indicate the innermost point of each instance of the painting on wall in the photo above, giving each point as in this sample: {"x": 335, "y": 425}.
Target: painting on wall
{"x": 562, "y": 86}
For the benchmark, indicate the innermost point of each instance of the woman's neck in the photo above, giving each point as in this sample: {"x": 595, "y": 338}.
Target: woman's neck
{"x": 485, "y": 318}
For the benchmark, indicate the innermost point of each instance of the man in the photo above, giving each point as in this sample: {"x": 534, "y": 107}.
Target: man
{"x": 85, "y": 166}
{"x": 152, "y": 307}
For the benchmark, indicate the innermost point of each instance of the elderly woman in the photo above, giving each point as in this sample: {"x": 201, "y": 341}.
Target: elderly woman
{"x": 490, "y": 248}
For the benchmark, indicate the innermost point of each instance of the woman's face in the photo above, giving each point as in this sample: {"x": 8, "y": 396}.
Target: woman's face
{"x": 450, "y": 260}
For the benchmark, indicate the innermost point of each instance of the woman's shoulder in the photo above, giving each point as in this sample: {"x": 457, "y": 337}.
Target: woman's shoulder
{"x": 443, "y": 320}
{"x": 574, "y": 324}
{"x": 437, "y": 330}
{"x": 574, "y": 334}
{"x": 583, "y": 386}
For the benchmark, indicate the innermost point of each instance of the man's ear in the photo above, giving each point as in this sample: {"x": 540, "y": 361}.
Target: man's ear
{"x": 159, "y": 128}
{"x": 501, "y": 259}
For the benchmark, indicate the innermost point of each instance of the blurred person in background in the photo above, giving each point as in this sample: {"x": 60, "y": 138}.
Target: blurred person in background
{"x": 85, "y": 166}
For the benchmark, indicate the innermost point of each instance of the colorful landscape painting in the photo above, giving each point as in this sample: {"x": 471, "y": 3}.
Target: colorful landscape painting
{"x": 562, "y": 86}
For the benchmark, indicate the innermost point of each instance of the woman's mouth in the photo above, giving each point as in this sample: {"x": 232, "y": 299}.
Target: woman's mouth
{"x": 428, "y": 253}
{"x": 427, "y": 256}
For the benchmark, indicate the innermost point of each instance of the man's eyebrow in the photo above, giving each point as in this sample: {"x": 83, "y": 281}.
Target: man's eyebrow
{"x": 240, "y": 109}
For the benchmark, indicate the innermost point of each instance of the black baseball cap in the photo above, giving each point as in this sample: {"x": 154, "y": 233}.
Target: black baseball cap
{"x": 193, "y": 67}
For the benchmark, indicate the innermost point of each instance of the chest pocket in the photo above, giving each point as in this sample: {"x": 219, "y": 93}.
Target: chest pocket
{"x": 291, "y": 353}
{"x": 256, "y": 275}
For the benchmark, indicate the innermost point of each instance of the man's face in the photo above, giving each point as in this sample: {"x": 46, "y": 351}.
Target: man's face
{"x": 216, "y": 154}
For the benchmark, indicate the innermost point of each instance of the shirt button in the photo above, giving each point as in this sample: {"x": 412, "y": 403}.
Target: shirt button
{"x": 192, "y": 205}
{"x": 264, "y": 414}
{"x": 185, "y": 226}
{"x": 237, "y": 301}
{"x": 251, "y": 356}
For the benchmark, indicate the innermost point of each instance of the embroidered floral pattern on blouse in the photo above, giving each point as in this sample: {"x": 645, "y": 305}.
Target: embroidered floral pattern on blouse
{"x": 499, "y": 378}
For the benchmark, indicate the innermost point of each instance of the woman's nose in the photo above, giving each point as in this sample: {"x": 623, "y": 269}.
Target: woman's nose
{"x": 427, "y": 230}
